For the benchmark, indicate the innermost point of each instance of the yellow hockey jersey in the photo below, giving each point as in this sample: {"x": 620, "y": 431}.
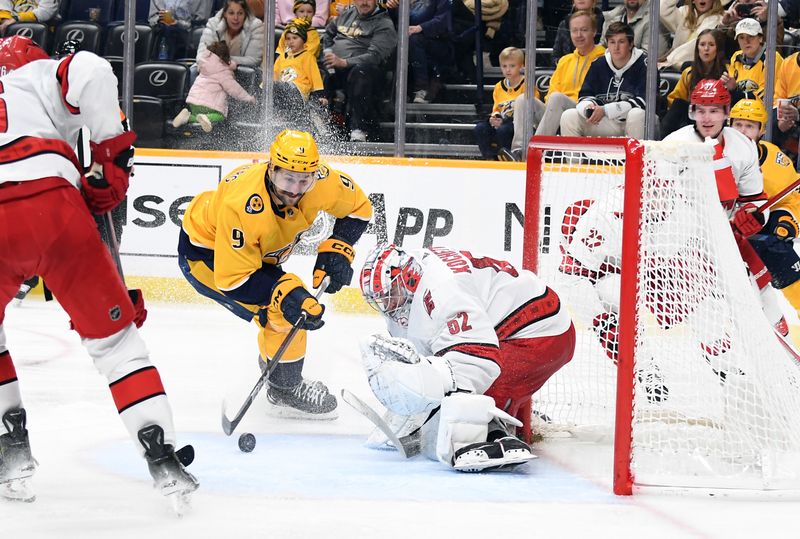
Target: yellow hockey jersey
{"x": 787, "y": 79}
{"x": 752, "y": 78}
{"x": 300, "y": 69}
{"x": 779, "y": 172}
{"x": 504, "y": 97}
{"x": 245, "y": 229}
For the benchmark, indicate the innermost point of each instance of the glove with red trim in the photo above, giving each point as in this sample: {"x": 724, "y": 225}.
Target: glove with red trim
{"x": 103, "y": 192}
{"x": 745, "y": 220}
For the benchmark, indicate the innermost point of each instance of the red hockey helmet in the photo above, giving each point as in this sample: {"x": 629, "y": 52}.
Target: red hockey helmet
{"x": 16, "y": 51}
{"x": 388, "y": 281}
{"x": 711, "y": 92}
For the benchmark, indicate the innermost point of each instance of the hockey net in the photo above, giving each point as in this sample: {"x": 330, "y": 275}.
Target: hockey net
{"x": 674, "y": 361}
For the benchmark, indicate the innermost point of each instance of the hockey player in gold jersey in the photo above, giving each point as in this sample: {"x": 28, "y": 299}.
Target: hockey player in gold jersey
{"x": 776, "y": 242}
{"x": 234, "y": 240}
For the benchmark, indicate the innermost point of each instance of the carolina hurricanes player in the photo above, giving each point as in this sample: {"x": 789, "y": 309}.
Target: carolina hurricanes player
{"x": 740, "y": 183}
{"x": 472, "y": 339}
{"x": 46, "y": 229}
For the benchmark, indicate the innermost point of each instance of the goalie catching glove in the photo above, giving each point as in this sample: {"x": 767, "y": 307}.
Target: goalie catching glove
{"x": 104, "y": 191}
{"x": 402, "y": 380}
{"x": 334, "y": 259}
{"x": 291, "y": 299}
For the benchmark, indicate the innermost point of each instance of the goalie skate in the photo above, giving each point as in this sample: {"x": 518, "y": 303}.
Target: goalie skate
{"x": 17, "y": 490}
{"x": 308, "y": 400}
{"x": 167, "y": 467}
{"x": 503, "y": 453}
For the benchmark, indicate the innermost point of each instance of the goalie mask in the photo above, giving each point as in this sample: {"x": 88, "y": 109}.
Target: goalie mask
{"x": 388, "y": 281}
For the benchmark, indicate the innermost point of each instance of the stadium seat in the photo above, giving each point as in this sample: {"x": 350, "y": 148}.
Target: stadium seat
{"x": 194, "y": 42}
{"x": 79, "y": 10}
{"x": 250, "y": 79}
{"x": 35, "y": 30}
{"x": 149, "y": 117}
{"x": 85, "y": 32}
{"x": 667, "y": 81}
{"x": 543, "y": 76}
{"x": 165, "y": 80}
{"x": 143, "y": 36}
{"x": 116, "y": 66}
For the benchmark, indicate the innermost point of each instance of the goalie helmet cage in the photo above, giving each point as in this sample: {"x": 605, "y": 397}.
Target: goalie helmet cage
{"x": 673, "y": 356}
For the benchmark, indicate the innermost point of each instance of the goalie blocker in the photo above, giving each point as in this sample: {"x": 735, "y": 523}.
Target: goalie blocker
{"x": 472, "y": 339}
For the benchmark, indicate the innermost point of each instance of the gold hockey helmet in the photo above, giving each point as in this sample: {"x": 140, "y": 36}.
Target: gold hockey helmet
{"x": 750, "y": 109}
{"x": 294, "y": 150}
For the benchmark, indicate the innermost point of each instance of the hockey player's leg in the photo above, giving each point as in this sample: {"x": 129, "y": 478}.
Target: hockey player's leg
{"x": 289, "y": 394}
{"x": 16, "y": 462}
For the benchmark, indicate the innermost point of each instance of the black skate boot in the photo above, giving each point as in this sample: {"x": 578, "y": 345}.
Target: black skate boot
{"x": 652, "y": 382}
{"x": 308, "y": 400}
{"x": 25, "y": 288}
{"x": 16, "y": 462}
{"x": 502, "y": 453}
{"x": 168, "y": 467}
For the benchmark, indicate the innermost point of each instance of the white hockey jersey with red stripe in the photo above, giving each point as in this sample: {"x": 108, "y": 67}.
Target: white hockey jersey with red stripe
{"x": 738, "y": 152}
{"x": 43, "y": 106}
{"x": 465, "y": 305}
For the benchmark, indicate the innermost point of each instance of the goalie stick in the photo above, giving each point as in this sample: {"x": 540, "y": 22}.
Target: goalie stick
{"x": 406, "y": 445}
{"x": 229, "y": 425}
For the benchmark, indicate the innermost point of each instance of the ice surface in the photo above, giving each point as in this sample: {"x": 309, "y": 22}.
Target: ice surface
{"x": 304, "y": 479}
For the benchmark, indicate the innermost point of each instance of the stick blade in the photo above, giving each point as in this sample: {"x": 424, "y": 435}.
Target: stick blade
{"x": 366, "y": 410}
{"x": 227, "y": 426}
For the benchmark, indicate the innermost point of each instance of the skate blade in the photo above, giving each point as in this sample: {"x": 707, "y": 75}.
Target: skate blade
{"x": 480, "y": 464}
{"x": 286, "y": 412}
{"x": 181, "y": 501}
{"x": 17, "y": 490}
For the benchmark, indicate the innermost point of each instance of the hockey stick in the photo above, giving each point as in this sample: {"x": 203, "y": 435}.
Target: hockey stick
{"x": 406, "y": 445}
{"x": 786, "y": 191}
{"x": 790, "y": 349}
{"x": 229, "y": 425}
{"x": 111, "y": 241}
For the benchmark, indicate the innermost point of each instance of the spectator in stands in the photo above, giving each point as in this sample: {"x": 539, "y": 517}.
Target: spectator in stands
{"x": 497, "y": 131}
{"x": 709, "y": 63}
{"x": 492, "y": 12}
{"x": 563, "y": 42}
{"x": 360, "y": 40}
{"x": 337, "y": 7}
{"x": 171, "y": 20}
{"x": 315, "y": 10}
{"x": 686, "y": 22}
{"x": 297, "y": 77}
{"x": 430, "y": 49}
{"x": 787, "y": 96}
{"x": 243, "y": 33}
{"x": 12, "y": 11}
{"x": 747, "y": 70}
{"x": 752, "y": 9}
{"x": 635, "y": 13}
{"x": 208, "y": 98}
{"x": 612, "y": 98}
{"x": 564, "y": 84}
{"x": 304, "y": 9}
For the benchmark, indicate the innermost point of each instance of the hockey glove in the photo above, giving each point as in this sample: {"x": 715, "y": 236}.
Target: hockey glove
{"x": 103, "y": 192}
{"x": 782, "y": 224}
{"x": 334, "y": 259}
{"x": 139, "y": 311}
{"x": 290, "y": 298}
{"x": 746, "y": 222}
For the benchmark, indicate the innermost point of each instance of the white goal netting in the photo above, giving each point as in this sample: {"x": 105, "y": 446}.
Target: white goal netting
{"x": 716, "y": 395}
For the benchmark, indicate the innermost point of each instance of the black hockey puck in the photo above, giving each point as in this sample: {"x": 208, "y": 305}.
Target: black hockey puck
{"x": 247, "y": 442}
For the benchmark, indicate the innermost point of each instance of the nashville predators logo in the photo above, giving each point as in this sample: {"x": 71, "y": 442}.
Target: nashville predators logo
{"x": 255, "y": 204}
{"x": 748, "y": 85}
{"x": 288, "y": 75}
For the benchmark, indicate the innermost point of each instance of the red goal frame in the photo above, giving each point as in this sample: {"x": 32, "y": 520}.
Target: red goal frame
{"x": 634, "y": 162}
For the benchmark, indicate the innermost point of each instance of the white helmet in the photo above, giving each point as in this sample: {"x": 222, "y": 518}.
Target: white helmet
{"x": 388, "y": 281}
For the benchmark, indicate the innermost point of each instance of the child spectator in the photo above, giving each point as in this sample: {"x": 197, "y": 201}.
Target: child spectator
{"x": 243, "y": 33}
{"x": 709, "y": 63}
{"x": 686, "y": 22}
{"x": 297, "y": 75}
{"x": 315, "y": 10}
{"x": 303, "y": 9}
{"x": 208, "y": 97}
{"x": 747, "y": 70}
{"x": 497, "y": 131}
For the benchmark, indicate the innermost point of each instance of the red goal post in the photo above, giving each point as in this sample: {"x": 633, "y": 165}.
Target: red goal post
{"x": 671, "y": 343}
